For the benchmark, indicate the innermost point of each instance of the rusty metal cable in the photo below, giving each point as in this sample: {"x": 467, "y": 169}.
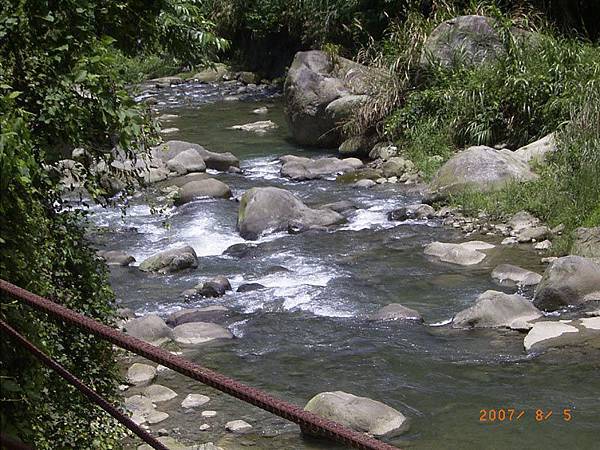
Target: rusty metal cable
{"x": 308, "y": 422}
{"x": 73, "y": 380}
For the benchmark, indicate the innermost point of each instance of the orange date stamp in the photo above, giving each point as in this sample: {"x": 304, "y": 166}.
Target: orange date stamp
{"x": 500, "y": 415}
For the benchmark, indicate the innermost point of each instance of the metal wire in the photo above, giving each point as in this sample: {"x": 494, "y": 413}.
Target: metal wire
{"x": 309, "y": 422}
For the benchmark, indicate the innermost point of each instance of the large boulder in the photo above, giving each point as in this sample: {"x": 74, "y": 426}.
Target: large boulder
{"x": 213, "y": 160}
{"x": 570, "y": 280}
{"x": 359, "y": 413}
{"x": 514, "y": 275}
{"x": 298, "y": 168}
{"x": 203, "y": 188}
{"x": 270, "y": 209}
{"x": 546, "y": 334}
{"x": 187, "y": 161}
{"x": 536, "y": 152}
{"x": 396, "y": 311}
{"x": 171, "y": 260}
{"x": 463, "y": 254}
{"x": 481, "y": 169}
{"x": 212, "y": 74}
{"x": 417, "y": 211}
{"x": 313, "y": 82}
{"x": 193, "y": 333}
{"x": 116, "y": 257}
{"x": 587, "y": 242}
{"x": 469, "y": 40}
{"x": 206, "y": 314}
{"x": 496, "y": 309}
{"x": 150, "y": 328}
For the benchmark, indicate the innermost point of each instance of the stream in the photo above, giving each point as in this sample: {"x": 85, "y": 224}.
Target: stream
{"x": 307, "y": 331}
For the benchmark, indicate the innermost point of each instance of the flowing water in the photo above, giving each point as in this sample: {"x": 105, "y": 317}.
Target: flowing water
{"x": 308, "y": 332}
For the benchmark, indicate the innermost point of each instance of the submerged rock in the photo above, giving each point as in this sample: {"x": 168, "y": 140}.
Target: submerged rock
{"x": 569, "y": 280}
{"x": 206, "y": 314}
{"x": 395, "y": 311}
{"x": 260, "y": 127}
{"x": 548, "y": 334}
{"x": 509, "y": 274}
{"x": 497, "y": 309}
{"x": 209, "y": 188}
{"x": 171, "y": 260}
{"x": 271, "y": 209}
{"x": 298, "y": 168}
{"x": 464, "y": 254}
{"x": 359, "y": 413}
{"x": 193, "y": 333}
{"x": 248, "y": 287}
{"x": 339, "y": 207}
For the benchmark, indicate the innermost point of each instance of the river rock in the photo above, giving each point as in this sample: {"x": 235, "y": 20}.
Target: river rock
{"x": 420, "y": 211}
{"x": 522, "y": 221}
{"x": 171, "y": 260}
{"x": 183, "y": 180}
{"x": 194, "y": 401}
{"x": 496, "y": 309}
{"x": 116, "y": 257}
{"x": 172, "y": 444}
{"x": 260, "y": 127}
{"x": 364, "y": 184}
{"x": 156, "y": 417}
{"x": 158, "y": 393}
{"x": 238, "y": 426}
{"x": 533, "y": 234}
{"x": 537, "y": 151}
{"x": 298, "y": 168}
{"x": 383, "y": 151}
{"x": 509, "y": 274}
{"x": 312, "y": 83}
{"x": 213, "y": 160}
{"x": 587, "y": 242}
{"x": 186, "y": 162}
{"x": 464, "y": 254}
{"x": 261, "y": 110}
{"x": 480, "y": 168}
{"x": 470, "y": 40}
{"x": 193, "y": 333}
{"x": 150, "y": 328}
{"x": 213, "y": 288}
{"x": 139, "y": 404}
{"x": 568, "y": 281}
{"x": 204, "y": 188}
{"x": 140, "y": 374}
{"x": 396, "y": 166}
{"x": 359, "y": 413}
{"x": 271, "y": 209}
{"x": 341, "y": 109}
{"x": 166, "y": 81}
{"x": 248, "y": 287}
{"x": 395, "y": 311}
{"x": 211, "y": 74}
{"x": 548, "y": 334}
{"x": 206, "y": 314}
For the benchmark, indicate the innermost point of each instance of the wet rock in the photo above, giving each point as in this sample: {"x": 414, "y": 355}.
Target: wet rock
{"x": 260, "y": 127}
{"x": 359, "y": 413}
{"x": 364, "y": 184}
{"x": 183, "y": 180}
{"x": 171, "y": 260}
{"x": 313, "y": 82}
{"x": 116, "y": 257}
{"x": 509, "y": 274}
{"x": 248, "y": 77}
{"x": 496, "y": 309}
{"x": 194, "y": 401}
{"x": 248, "y": 287}
{"x": 210, "y": 188}
{"x": 242, "y": 250}
{"x": 339, "y": 207}
{"x": 194, "y": 333}
{"x": 396, "y": 166}
{"x": 396, "y": 311}
{"x": 213, "y": 288}
{"x": 464, "y": 254}
{"x": 209, "y": 413}
{"x": 169, "y": 130}
{"x": 537, "y": 151}
{"x": 213, "y": 160}
{"x": 150, "y": 328}
{"x": 533, "y": 234}
{"x": 587, "y": 242}
{"x": 298, "y": 168}
{"x": 271, "y": 209}
{"x": 155, "y": 174}
{"x": 261, "y": 110}
{"x": 356, "y": 146}
{"x": 211, "y": 74}
{"x": 482, "y": 169}
{"x": 383, "y": 151}
{"x": 548, "y": 334}
{"x": 206, "y": 314}
{"x": 470, "y": 40}
{"x": 139, "y": 405}
{"x": 567, "y": 281}
{"x": 166, "y": 81}
{"x": 420, "y": 211}
{"x": 140, "y": 374}
{"x": 158, "y": 393}
{"x": 186, "y": 162}
{"x": 238, "y": 426}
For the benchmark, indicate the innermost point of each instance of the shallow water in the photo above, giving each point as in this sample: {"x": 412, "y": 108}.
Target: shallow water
{"x": 307, "y": 331}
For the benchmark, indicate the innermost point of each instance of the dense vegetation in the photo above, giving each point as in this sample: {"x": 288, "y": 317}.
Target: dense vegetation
{"x": 62, "y": 87}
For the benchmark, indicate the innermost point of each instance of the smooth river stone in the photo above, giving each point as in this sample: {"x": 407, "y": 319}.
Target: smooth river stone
{"x": 193, "y": 333}
{"x": 158, "y": 393}
{"x": 140, "y": 374}
{"x": 194, "y": 401}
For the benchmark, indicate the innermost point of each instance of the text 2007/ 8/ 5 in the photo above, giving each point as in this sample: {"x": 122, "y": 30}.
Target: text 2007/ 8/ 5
{"x": 514, "y": 414}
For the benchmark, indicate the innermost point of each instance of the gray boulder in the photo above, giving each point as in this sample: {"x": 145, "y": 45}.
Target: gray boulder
{"x": 312, "y": 83}
{"x": 359, "y": 413}
{"x": 271, "y": 209}
{"x": 533, "y": 234}
{"x": 587, "y": 242}
{"x": 464, "y": 254}
{"x": 514, "y": 275}
{"x": 340, "y": 207}
{"x": 187, "y": 161}
{"x": 569, "y": 280}
{"x": 482, "y": 169}
{"x": 211, "y": 74}
{"x": 115, "y": 257}
{"x": 150, "y": 328}
{"x": 420, "y": 211}
{"x": 213, "y": 160}
{"x": 213, "y": 288}
{"x": 396, "y": 166}
{"x": 193, "y": 333}
{"x": 181, "y": 181}
{"x": 140, "y": 374}
{"x": 249, "y": 287}
{"x": 522, "y": 221}
{"x": 537, "y": 151}
{"x": 206, "y": 314}
{"x": 469, "y": 40}
{"x": 158, "y": 393}
{"x": 298, "y": 168}
{"x": 203, "y": 188}
{"x": 171, "y": 260}
{"x": 344, "y": 107}
{"x": 546, "y": 334}
{"x": 395, "y": 311}
{"x": 496, "y": 309}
